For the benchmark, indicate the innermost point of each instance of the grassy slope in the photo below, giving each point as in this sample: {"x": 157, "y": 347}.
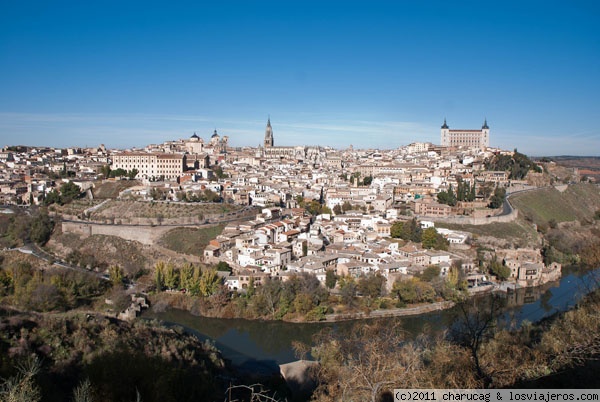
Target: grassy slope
{"x": 190, "y": 240}
{"x": 111, "y": 189}
{"x": 578, "y": 202}
{"x": 129, "y": 209}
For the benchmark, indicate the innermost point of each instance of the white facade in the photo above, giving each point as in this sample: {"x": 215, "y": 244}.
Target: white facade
{"x": 465, "y": 138}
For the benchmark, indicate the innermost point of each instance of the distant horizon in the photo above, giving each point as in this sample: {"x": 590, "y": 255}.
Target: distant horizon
{"x": 377, "y": 75}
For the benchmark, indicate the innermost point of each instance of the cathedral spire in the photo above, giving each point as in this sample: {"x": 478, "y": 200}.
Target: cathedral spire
{"x": 445, "y": 125}
{"x": 269, "y": 134}
{"x": 485, "y": 125}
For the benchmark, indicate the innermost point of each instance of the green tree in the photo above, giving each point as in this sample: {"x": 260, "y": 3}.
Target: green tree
{"x": 209, "y": 282}
{"x": 69, "y": 191}
{"x": 430, "y": 238}
{"x": 396, "y": 229}
{"x": 105, "y": 171}
{"x": 41, "y": 227}
{"x": 118, "y": 172}
{"x": 171, "y": 276}
{"x": 186, "y": 275}
{"x": 330, "y": 278}
{"x": 53, "y": 197}
{"x": 159, "y": 275}
{"x": 223, "y": 267}
{"x": 337, "y": 209}
{"x": 132, "y": 173}
{"x": 498, "y": 198}
{"x": 501, "y": 271}
{"x": 346, "y": 206}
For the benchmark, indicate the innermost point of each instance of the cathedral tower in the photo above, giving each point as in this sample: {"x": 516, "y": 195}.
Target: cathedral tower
{"x": 269, "y": 134}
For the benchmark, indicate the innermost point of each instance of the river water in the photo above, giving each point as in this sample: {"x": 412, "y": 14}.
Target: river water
{"x": 266, "y": 344}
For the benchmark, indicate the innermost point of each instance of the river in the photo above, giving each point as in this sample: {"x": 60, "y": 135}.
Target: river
{"x": 266, "y": 344}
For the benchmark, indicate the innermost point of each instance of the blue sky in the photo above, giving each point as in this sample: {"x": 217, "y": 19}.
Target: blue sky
{"x": 370, "y": 74}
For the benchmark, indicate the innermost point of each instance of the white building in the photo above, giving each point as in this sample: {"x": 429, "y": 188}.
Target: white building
{"x": 466, "y": 138}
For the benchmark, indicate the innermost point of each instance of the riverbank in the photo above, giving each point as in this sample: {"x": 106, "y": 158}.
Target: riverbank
{"x": 390, "y": 313}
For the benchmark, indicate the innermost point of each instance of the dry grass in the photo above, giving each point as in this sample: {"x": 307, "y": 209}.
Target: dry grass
{"x": 109, "y": 189}
{"x": 190, "y": 240}
{"x": 120, "y": 209}
{"x": 578, "y": 202}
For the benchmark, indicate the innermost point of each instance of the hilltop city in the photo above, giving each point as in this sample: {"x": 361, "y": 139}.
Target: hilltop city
{"x": 309, "y": 208}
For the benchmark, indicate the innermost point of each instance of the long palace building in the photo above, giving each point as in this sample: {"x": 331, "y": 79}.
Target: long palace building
{"x": 466, "y": 138}
{"x": 151, "y": 165}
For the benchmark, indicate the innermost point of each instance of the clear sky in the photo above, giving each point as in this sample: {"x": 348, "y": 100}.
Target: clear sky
{"x": 370, "y": 73}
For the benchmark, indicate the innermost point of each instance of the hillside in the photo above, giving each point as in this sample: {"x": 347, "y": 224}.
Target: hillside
{"x": 577, "y": 202}
{"x": 191, "y": 241}
{"x": 110, "y": 189}
{"x": 117, "y": 358}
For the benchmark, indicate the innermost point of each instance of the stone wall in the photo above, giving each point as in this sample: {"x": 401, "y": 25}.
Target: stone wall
{"x": 144, "y": 234}
{"x": 468, "y": 220}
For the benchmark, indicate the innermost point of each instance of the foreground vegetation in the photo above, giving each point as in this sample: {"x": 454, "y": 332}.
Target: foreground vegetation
{"x": 368, "y": 362}
{"x": 93, "y": 358}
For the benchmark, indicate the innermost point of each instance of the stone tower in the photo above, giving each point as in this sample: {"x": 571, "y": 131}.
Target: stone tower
{"x": 269, "y": 134}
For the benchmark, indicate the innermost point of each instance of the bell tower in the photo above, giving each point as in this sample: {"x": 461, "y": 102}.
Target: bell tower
{"x": 269, "y": 134}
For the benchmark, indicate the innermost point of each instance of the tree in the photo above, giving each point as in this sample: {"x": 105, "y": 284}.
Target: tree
{"x": 118, "y": 172}
{"x": 41, "y": 227}
{"x": 498, "y": 198}
{"x": 53, "y": 197}
{"x": 501, "y": 271}
{"x": 337, "y": 209}
{"x": 413, "y": 291}
{"x": 115, "y": 273}
{"x": 171, "y": 275}
{"x": 209, "y": 282}
{"x": 430, "y": 273}
{"x": 105, "y": 171}
{"x": 476, "y": 325}
{"x": 346, "y": 206}
{"x": 396, "y": 229}
{"x": 69, "y": 191}
{"x": 186, "y": 275}
{"x": 330, "y": 278}
{"x": 132, "y": 173}
{"x": 159, "y": 275}
{"x": 223, "y": 267}
{"x": 371, "y": 286}
{"x": 348, "y": 290}
{"x": 432, "y": 239}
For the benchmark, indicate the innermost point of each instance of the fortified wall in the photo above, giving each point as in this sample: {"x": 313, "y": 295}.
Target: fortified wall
{"x": 144, "y": 234}
{"x": 470, "y": 220}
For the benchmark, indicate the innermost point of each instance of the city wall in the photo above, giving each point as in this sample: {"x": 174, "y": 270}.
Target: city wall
{"x": 468, "y": 220}
{"x": 144, "y": 234}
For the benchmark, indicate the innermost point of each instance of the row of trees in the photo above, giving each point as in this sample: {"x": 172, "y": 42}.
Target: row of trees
{"x": 193, "y": 279}
{"x": 464, "y": 192}
{"x": 107, "y": 172}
